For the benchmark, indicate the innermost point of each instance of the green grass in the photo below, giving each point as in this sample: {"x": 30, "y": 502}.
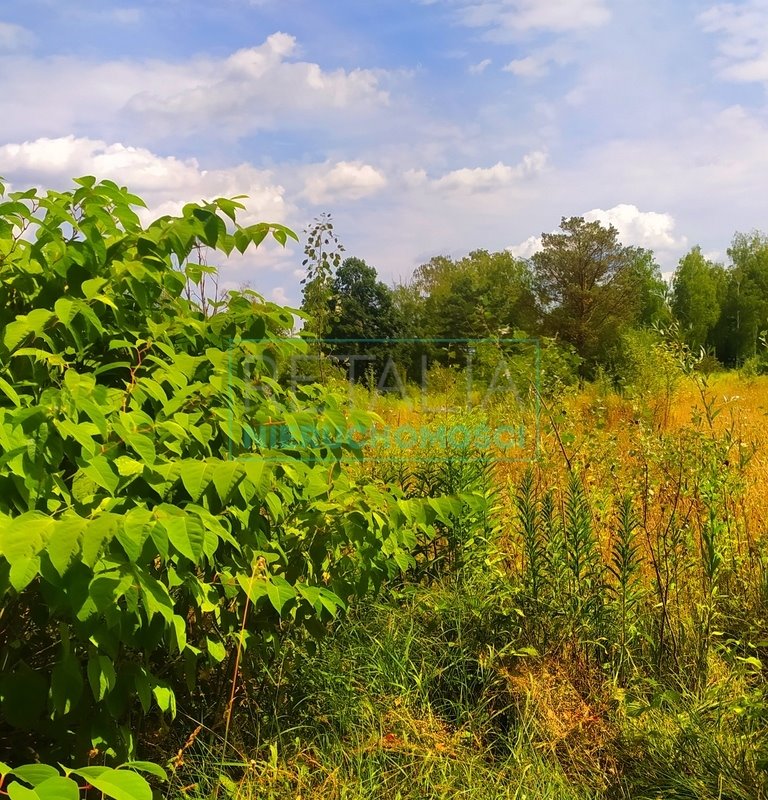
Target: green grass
{"x": 407, "y": 699}
{"x": 602, "y": 633}
{"x": 432, "y": 692}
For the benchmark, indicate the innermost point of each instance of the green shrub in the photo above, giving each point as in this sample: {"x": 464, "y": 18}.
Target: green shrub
{"x": 145, "y": 527}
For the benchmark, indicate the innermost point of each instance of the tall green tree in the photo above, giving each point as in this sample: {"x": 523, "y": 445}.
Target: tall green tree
{"x": 698, "y": 290}
{"x": 648, "y": 288}
{"x": 363, "y": 310}
{"x": 363, "y": 305}
{"x": 482, "y": 295}
{"x": 745, "y": 306}
{"x": 588, "y": 284}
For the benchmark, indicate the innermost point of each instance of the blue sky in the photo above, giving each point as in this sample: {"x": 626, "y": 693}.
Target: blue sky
{"x": 424, "y": 126}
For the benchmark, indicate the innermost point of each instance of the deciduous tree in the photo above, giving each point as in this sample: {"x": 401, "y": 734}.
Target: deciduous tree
{"x": 586, "y": 280}
{"x": 363, "y": 310}
{"x": 697, "y": 295}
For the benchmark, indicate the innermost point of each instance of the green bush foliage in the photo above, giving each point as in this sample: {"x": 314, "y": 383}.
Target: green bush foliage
{"x": 145, "y": 527}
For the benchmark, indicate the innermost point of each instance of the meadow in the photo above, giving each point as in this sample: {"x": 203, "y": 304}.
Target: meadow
{"x": 570, "y": 605}
{"x": 599, "y": 629}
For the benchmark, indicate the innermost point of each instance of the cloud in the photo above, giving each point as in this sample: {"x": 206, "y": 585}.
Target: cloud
{"x": 528, "y": 67}
{"x": 506, "y": 19}
{"x": 527, "y": 248}
{"x": 649, "y": 229}
{"x": 166, "y": 183}
{"x": 704, "y": 170}
{"x": 480, "y": 179}
{"x": 540, "y": 62}
{"x": 279, "y": 296}
{"x": 479, "y": 68}
{"x": 344, "y": 180}
{"x": 252, "y": 89}
{"x": 743, "y": 47}
{"x": 14, "y": 37}
{"x": 642, "y": 136}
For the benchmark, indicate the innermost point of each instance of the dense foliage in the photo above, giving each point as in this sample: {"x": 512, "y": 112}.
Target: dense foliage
{"x": 181, "y": 520}
{"x": 583, "y": 292}
{"x": 148, "y": 528}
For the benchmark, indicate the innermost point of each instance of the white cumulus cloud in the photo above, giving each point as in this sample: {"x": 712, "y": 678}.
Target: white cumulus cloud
{"x": 166, "y": 183}
{"x": 344, "y": 180}
{"x": 252, "y": 89}
{"x": 481, "y": 179}
{"x": 527, "y": 248}
{"x": 255, "y": 87}
{"x": 649, "y": 229}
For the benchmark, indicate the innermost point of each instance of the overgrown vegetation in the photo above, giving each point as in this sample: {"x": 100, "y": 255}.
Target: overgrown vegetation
{"x": 301, "y": 615}
{"x": 148, "y": 539}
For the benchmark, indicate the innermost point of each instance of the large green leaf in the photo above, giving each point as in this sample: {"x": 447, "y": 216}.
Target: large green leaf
{"x": 226, "y": 475}
{"x": 253, "y": 585}
{"x": 128, "y": 467}
{"x": 156, "y": 597}
{"x": 65, "y": 309}
{"x": 35, "y": 774}
{"x": 216, "y": 650}
{"x": 135, "y": 530}
{"x": 97, "y": 535}
{"x": 146, "y": 766}
{"x": 17, "y": 791}
{"x": 101, "y": 675}
{"x": 23, "y": 537}
{"x": 34, "y": 322}
{"x": 66, "y": 684}
{"x": 196, "y": 476}
{"x": 185, "y": 532}
{"x": 58, "y": 788}
{"x": 279, "y": 592}
{"x": 10, "y": 392}
{"x": 119, "y": 784}
{"x": 165, "y": 699}
{"x": 23, "y": 571}
{"x": 99, "y": 469}
{"x": 63, "y": 541}
{"x": 142, "y": 445}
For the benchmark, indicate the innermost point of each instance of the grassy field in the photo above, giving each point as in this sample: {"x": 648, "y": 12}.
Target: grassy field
{"x": 599, "y": 631}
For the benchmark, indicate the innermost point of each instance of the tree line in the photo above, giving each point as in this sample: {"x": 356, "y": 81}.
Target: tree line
{"x": 584, "y": 290}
